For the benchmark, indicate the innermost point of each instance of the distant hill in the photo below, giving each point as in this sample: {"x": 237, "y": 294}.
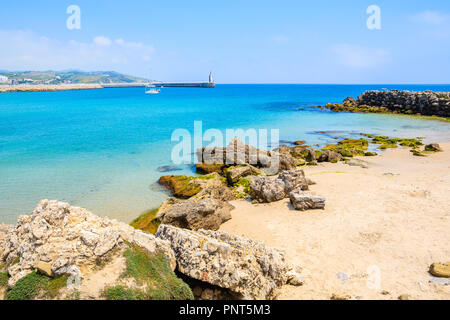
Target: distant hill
{"x": 74, "y": 77}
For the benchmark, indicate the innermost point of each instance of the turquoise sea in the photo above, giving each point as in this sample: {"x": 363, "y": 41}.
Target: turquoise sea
{"x": 100, "y": 149}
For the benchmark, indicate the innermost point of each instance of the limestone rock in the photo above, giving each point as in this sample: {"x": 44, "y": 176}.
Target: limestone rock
{"x": 241, "y": 265}
{"x": 267, "y": 189}
{"x": 305, "y": 200}
{"x": 233, "y": 174}
{"x": 204, "y": 168}
{"x": 293, "y": 179}
{"x": 271, "y": 189}
{"x": 207, "y": 213}
{"x": 58, "y": 239}
{"x": 440, "y": 270}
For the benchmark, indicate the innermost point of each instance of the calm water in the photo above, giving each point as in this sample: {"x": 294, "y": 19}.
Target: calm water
{"x": 100, "y": 149}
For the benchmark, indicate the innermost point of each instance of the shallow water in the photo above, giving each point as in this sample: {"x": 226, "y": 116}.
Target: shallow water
{"x": 100, "y": 149}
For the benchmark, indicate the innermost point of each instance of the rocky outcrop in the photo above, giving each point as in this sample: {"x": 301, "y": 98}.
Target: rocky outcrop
{"x": 245, "y": 267}
{"x": 180, "y": 186}
{"x": 238, "y": 153}
{"x": 426, "y": 103}
{"x": 195, "y": 214}
{"x": 60, "y": 239}
{"x": 271, "y": 189}
{"x": 305, "y": 200}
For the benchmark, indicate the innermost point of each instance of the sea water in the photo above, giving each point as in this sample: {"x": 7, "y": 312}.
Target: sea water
{"x": 101, "y": 149}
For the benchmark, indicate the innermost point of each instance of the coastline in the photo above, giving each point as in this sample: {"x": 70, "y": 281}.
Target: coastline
{"x": 44, "y": 88}
{"x": 392, "y": 215}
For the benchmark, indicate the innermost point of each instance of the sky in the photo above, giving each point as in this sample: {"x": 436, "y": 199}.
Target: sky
{"x": 240, "y": 41}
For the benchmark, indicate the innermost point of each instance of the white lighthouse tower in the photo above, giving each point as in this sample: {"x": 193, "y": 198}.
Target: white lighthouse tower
{"x": 211, "y": 80}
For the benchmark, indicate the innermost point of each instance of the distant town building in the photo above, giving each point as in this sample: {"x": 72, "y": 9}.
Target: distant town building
{"x": 4, "y": 79}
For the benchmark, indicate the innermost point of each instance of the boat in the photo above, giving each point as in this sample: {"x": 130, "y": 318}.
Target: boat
{"x": 153, "y": 90}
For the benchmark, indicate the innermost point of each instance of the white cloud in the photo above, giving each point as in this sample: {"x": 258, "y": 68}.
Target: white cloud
{"x": 25, "y": 50}
{"x": 431, "y": 17}
{"x": 102, "y": 41}
{"x": 356, "y": 56}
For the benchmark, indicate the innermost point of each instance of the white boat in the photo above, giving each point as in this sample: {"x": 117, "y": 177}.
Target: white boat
{"x": 153, "y": 90}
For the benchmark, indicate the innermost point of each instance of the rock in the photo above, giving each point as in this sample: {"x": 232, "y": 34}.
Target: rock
{"x": 349, "y": 101}
{"x": 191, "y": 214}
{"x": 233, "y": 174}
{"x": 299, "y": 142}
{"x": 404, "y": 297}
{"x": 335, "y": 296}
{"x": 271, "y": 189}
{"x": 45, "y": 268}
{"x": 440, "y": 269}
{"x": 58, "y": 239}
{"x": 330, "y": 156}
{"x": 305, "y": 200}
{"x": 294, "y": 278}
{"x": 267, "y": 189}
{"x": 168, "y": 169}
{"x": 433, "y": 147}
{"x": 203, "y": 168}
{"x": 180, "y": 186}
{"x": 243, "y": 266}
{"x": 370, "y": 154}
{"x": 293, "y": 179}
{"x": 238, "y": 153}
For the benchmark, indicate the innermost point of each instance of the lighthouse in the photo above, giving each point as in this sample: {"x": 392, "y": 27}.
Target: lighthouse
{"x": 211, "y": 80}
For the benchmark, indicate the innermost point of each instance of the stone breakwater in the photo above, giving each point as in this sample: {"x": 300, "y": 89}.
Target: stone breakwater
{"x": 428, "y": 103}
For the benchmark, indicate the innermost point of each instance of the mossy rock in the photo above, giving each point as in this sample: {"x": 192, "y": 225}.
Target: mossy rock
{"x": 180, "y": 186}
{"x": 417, "y": 153}
{"x": 147, "y": 221}
{"x": 203, "y": 168}
{"x": 299, "y": 142}
{"x": 153, "y": 277}
{"x": 432, "y": 147}
{"x": 370, "y": 154}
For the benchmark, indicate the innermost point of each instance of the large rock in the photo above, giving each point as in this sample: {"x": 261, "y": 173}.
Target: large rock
{"x": 59, "y": 239}
{"x": 271, "y": 189}
{"x": 306, "y": 200}
{"x": 243, "y": 266}
{"x": 196, "y": 214}
{"x": 267, "y": 189}
{"x": 180, "y": 186}
{"x": 293, "y": 179}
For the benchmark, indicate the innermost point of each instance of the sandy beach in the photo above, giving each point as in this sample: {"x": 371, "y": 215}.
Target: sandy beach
{"x": 390, "y": 219}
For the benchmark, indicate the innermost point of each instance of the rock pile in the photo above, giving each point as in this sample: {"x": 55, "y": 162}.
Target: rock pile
{"x": 243, "y": 266}
{"x": 59, "y": 239}
{"x": 426, "y": 103}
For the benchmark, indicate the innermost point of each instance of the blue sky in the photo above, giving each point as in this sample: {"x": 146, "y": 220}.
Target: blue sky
{"x": 241, "y": 41}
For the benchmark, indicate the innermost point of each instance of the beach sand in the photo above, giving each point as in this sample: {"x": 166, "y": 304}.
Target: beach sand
{"x": 381, "y": 229}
